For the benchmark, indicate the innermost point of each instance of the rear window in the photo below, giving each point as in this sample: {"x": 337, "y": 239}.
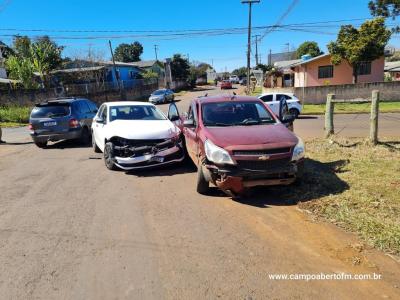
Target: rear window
{"x": 50, "y": 111}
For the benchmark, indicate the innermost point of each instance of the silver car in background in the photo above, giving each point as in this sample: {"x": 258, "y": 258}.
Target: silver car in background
{"x": 162, "y": 96}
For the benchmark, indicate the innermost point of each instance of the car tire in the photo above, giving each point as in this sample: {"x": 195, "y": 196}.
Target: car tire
{"x": 294, "y": 112}
{"x": 202, "y": 184}
{"x": 109, "y": 159}
{"x": 96, "y": 149}
{"x": 41, "y": 144}
{"x": 85, "y": 136}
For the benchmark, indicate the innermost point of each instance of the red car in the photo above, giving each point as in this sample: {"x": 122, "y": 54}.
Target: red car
{"x": 237, "y": 142}
{"x": 226, "y": 84}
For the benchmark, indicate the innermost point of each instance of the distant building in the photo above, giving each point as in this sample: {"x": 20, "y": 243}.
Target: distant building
{"x": 211, "y": 75}
{"x": 319, "y": 71}
{"x": 284, "y": 56}
{"x": 392, "y": 70}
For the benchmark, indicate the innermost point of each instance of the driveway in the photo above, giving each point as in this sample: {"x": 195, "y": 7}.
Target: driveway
{"x": 71, "y": 229}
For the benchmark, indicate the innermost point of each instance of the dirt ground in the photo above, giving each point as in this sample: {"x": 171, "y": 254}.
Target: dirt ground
{"x": 71, "y": 229}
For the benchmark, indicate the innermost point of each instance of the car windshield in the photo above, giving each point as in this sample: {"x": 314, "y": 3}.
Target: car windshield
{"x": 159, "y": 92}
{"x": 50, "y": 111}
{"x": 135, "y": 112}
{"x": 236, "y": 113}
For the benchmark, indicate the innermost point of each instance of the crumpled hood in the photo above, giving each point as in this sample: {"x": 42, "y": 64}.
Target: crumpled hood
{"x": 142, "y": 129}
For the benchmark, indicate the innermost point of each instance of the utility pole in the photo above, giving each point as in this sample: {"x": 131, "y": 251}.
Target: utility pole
{"x": 250, "y": 3}
{"x": 270, "y": 57}
{"x": 256, "y": 37}
{"x": 156, "y": 51}
{"x": 114, "y": 67}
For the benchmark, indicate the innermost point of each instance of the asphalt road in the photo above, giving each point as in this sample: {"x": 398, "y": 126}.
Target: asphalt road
{"x": 71, "y": 229}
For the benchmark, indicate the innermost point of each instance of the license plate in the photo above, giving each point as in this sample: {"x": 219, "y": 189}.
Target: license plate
{"x": 48, "y": 124}
{"x": 157, "y": 159}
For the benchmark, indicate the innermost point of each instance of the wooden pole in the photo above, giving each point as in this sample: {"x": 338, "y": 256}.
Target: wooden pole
{"x": 330, "y": 106}
{"x": 373, "y": 135}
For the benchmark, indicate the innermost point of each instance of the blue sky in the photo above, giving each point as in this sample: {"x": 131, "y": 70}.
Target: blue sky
{"x": 224, "y": 51}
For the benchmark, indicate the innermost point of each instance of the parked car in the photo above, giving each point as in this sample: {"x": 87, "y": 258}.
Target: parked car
{"x": 238, "y": 142}
{"x": 135, "y": 135}
{"x": 226, "y": 84}
{"x": 243, "y": 81}
{"x": 162, "y": 96}
{"x": 62, "y": 119}
{"x": 234, "y": 79}
{"x": 273, "y": 100}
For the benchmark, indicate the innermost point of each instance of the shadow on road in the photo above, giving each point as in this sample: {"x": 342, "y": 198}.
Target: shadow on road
{"x": 303, "y": 117}
{"x": 182, "y": 168}
{"x": 320, "y": 179}
{"x": 67, "y": 144}
{"x": 16, "y": 144}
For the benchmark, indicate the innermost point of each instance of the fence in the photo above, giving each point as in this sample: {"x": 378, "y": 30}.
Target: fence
{"x": 97, "y": 92}
{"x": 330, "y": 107}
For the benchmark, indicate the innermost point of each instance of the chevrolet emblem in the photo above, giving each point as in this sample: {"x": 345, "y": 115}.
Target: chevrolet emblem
{"x": 264, "y": 157}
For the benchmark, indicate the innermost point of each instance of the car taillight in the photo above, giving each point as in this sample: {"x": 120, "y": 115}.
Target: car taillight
{"x": 73, "y": 123}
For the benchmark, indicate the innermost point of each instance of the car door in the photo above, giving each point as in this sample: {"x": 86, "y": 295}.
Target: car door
{"x": 99, "y": 126}
{"x": 174, "y": 116}
{"x": 191, "y": 134}
{"x": 85, "y": 113}
{"x": 270, "y": 101}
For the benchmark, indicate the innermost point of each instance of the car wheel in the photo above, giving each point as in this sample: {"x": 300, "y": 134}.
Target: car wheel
{"x": 85, "y": 136}
{"x": 202, "y": 184}
{"x": 96, "y": 149}
{"x": 109, "y": 159}
{"x": 294, "y": 112}
{"x": 41, "y": 144}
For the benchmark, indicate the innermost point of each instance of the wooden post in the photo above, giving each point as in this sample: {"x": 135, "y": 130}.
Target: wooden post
{"x": 373, "y": 134}
{"x": 330, "y": 106}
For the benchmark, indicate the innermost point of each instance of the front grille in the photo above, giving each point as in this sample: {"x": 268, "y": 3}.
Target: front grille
{"x": 263, "y": 165}
{"x": 262, "y": 152}
{"x": 135, "y": 148}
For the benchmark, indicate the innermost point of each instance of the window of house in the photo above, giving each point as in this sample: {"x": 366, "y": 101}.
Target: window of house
{"x": 132, "y": 74}
{"x": 325, "y": 72}
{"x": 364, "y": 68}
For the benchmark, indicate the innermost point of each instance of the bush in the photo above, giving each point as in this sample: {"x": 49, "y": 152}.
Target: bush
{"x": 15, "y": 114}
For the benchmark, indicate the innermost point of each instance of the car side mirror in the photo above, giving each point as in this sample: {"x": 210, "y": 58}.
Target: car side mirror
{"x": 188, "y": 123}
{"x": 99, "y": 120}
{"x": 174, "y": 118}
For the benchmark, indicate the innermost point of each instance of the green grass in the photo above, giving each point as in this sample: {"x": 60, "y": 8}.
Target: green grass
{"x": 356, "y": 187}
{"x": 14, "y": 115}
{"x": 347, "y": 108}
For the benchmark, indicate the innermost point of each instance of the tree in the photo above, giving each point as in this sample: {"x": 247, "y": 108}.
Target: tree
{"x": 241, "y": 72}
{"x": 359, "y": 45}
{"x": 41, "y": 56}
{"x": 198, "y": 71}
{"x": 6, "y": 50}
{"x": 310, "y": 48}
{"x": 21, "y": 69}
{"x": 128, "y": 52}
{"x": 180, "y": 67}
{"x": 150, "y": 74}
{"x": 384, "y": 8}
{"x": 264, "y": 68}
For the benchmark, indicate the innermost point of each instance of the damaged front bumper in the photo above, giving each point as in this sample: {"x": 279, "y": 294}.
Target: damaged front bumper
{"x": 133, "y": 155}
{"x": 236, "y": 180}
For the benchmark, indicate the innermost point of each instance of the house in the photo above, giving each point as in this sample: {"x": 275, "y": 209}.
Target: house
{"x": 392, "y": 70}
{"x": 320, "y": 71}
{"x": 286, "y": 76}
{"x": 155, "y": 66}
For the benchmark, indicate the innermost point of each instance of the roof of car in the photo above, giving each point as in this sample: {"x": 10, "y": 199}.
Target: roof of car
{"x": 224, "y": 98}
{"x": 133, "y": 103}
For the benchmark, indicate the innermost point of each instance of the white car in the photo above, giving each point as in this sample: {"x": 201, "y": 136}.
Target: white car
{"x": 234, "y": 79}
{"x": 273, "y": 100}
{"x": 135, "y": 135}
